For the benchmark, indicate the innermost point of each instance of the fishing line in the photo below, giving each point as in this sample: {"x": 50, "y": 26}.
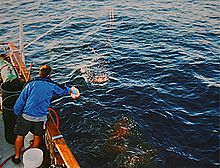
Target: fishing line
{"x": 48, "y": 32}
{"x": 90, "y": 74}
{"x": 111, "y": 22}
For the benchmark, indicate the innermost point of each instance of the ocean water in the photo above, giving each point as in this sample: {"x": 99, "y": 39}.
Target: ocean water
{"x": 160, "y": 104}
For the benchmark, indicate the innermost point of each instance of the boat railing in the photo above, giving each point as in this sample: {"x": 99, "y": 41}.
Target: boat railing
{"x": 60, "y": 153}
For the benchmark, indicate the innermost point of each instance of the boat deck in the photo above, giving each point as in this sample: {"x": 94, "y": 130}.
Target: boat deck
{"x": 6, "y": 149}
{"x": 56, "y": 151}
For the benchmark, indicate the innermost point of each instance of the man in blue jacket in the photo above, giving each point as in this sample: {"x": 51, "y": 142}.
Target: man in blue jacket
{"x": 32, "y": 107}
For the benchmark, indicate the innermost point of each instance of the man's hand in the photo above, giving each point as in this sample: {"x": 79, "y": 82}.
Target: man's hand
{"x": 73, "y": 91}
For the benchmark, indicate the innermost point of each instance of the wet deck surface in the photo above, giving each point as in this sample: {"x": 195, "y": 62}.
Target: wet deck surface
{"x": 6, "y": 149}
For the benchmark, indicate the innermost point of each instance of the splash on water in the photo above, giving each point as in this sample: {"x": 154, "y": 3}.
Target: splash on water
{"x": 93, "y": 77}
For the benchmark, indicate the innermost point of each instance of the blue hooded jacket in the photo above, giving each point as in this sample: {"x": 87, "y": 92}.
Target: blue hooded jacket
{"x": 35, "y": 98}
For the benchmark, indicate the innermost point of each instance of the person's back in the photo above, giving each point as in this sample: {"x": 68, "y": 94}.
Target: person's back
{"x": 32, "y": 107}
{"x": 36, "y": 96}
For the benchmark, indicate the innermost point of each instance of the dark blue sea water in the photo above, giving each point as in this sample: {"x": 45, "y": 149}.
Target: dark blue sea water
{"x": 162, "y": 63}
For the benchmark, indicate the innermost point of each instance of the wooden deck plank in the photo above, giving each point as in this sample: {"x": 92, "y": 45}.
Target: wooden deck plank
{"x": 6, "y": 149}
{"x": 66, "y": 155}
{"x": 18, "y": 63}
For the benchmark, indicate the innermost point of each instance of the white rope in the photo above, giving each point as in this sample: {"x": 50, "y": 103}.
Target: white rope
{"x": 47, "y": 32}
